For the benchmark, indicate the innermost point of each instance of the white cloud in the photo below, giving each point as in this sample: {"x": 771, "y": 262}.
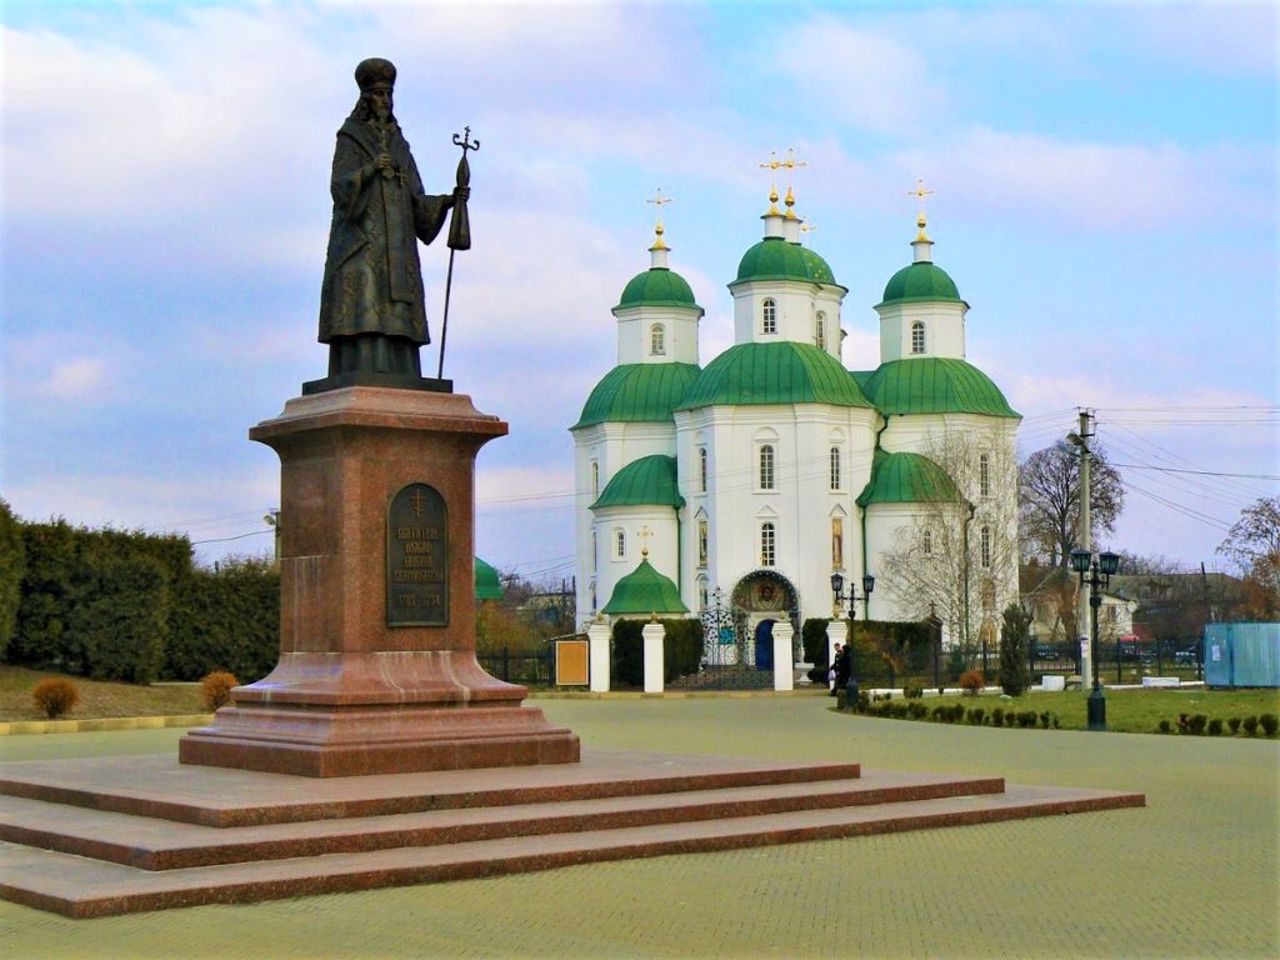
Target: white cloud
{"x": 869, "y": 78}
{"x": 1090, "y": 184}
{"x": 78, "y": 378}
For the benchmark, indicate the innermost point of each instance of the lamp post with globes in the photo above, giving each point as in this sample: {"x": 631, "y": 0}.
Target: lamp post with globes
{"x": 1096, "y": 571}
{"x": 838, "y": 595}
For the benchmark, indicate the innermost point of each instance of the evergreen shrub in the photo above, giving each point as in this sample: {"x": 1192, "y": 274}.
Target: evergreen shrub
{"x": 997, "y": 717}
{"x": 13, "y": 563}
{"x": 1196, "y": 725}
{"x": 1015, "y": 638}
{"x": 1269, "y": 723}
{"x": 215, "y": 689}
{"x": 55, "y": 696}
{"x": 1234, "y": 724}
{"x": 1250, "y": 725}
{"x": 1215, "y": 727}
{"x": 1165, "y": 726}
{"x": 912, "y": 693}
{"x": 227, "y": 619}
{"x": 813, "y": 641}
{"x": 975, "y": 716}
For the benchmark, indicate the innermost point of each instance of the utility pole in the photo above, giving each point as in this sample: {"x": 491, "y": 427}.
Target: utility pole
{"x": 273, "y": 520}
{"x": 1086, "y": 540}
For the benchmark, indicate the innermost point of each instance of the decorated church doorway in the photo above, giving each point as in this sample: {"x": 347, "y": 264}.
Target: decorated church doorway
{"x": 738, "y": 633}
{"x": 764, "y": 644}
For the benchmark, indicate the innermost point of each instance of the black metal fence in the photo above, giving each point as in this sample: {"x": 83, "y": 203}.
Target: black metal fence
{"x": 1120, "y": 662}
{"x": 537, "y": 669}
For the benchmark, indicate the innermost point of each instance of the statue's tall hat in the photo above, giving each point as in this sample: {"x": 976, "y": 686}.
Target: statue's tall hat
{"x": 375, "y": 74}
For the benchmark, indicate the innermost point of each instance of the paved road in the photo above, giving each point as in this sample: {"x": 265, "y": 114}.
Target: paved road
{"x": 1192, "y": 875}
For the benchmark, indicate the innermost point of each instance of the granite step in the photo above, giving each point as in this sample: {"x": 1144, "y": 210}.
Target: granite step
{"x": 159, "y": 786}
{"x": 159, "y": 844}
{"x": 81, "y": 887}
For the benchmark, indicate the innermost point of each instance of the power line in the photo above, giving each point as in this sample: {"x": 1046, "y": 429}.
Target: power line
{"x": 1203, "y": 473}
{"x": 255, "y": 533}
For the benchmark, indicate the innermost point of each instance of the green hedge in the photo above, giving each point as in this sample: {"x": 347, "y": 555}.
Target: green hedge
{"x": 127, "y": 605}
{"x": 12, "y": 564}
{"x": 681, "y": 650}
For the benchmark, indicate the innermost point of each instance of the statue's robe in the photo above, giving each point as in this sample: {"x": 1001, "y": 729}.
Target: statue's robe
{"x": 372, "y": 277}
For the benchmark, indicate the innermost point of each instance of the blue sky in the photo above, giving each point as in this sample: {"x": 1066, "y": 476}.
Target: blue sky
{"x": 1106, "y": 200}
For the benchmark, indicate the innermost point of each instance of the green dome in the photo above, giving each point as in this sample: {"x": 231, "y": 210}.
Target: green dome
{"x": 645, "y": 591}
{"x": 649, "y": 480}
{"x": 773, "y": 258}
{"x": 658, "y": 287}
{"x": 488, "y": 584}
{"x": 907, "y": 478}
{"x": 775, "y": 372}
{"x": 636, "y": 392}
{"x": 920, "y": 281}
{"x": 934, "y": 385}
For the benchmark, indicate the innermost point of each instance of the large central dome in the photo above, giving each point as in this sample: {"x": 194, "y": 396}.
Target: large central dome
{"x": 774, "y": 258}
{"x": 775, "y": 372}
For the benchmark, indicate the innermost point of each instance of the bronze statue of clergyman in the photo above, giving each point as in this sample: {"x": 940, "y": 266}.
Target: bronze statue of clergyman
{"x": 371, "y": 302}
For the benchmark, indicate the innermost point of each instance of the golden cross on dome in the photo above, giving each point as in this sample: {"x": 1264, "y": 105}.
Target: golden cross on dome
{"x": 644, "y": 534}
{"x": 658, "y": 230}
{"x": 920, "y": 193}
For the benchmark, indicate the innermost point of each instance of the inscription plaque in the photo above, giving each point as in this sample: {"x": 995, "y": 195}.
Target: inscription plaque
{"x": 417, "y": 558}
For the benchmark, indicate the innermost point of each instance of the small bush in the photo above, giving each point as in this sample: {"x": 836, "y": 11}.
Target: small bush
{"x": 913, "y": 693}
{"x": 957, "y": 713}
{"x": 1215, "y": 727}
{"x": 917, "y": 710}
{"x": 1250, "y": 725}
{"x": 1165, "y": 726}
{"x": 864, "y": 702}
{"x": 972, "y": 682}
{"x": 975, "y": 716}
{"x": 997, "y": 717}
{"x": 1184, "y": 723}
{"x": 55, "y": 696}
{"x": 1044, "y": 719}
{"x": 1027, "y": 719}
{"x": 1010, "y": 718}
{"x": 1196, "y": 724}
{"x": 215, "y": 689}
{"x": 1269, "y": 723}
{"x": 936, "y": 714}
{"x": 1234, "y": 724}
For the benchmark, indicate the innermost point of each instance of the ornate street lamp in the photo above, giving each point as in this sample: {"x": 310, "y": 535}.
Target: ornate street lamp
{"x": 1096, "y": 571}
{"x": 839, "y": 598}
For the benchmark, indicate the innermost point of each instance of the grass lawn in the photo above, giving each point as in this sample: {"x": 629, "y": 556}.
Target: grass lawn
{"x": 1131, "y": 711}
{"x": 97, "y": 698}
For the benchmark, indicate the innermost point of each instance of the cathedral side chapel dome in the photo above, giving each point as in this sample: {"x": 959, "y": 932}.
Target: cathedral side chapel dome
{"x": 648, "y": 481}
{"x": 917, "y": 385}
{"x": 638, "y": 392}
{"x": 657, "y": 287}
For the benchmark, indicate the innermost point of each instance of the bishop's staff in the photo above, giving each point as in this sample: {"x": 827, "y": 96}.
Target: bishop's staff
{"x": 459, "y": 229}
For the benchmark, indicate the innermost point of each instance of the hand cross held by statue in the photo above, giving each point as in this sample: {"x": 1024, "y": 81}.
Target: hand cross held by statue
{"x": 459, "y": 229}
{"x": 372, "y": 310}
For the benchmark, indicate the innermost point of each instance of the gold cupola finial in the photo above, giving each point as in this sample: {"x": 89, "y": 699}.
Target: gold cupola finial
{"x": 658, "y": 201}
{"x": 921, "y": 220}
{"x": 790, "y": 201}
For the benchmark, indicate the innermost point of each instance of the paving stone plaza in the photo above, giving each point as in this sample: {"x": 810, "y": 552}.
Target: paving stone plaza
{"x": 1193, "y": 874}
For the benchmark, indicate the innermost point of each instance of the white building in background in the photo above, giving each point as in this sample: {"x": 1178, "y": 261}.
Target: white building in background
{"x": 774, "y": 465}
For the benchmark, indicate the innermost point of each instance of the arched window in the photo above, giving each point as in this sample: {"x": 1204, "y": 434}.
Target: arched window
{"x": 620, "y": 544}
{"x": 768, "y": 545}
{"x": 926, "y": 542}
{"x": 704, "y": 542}
{"x": 769, "y": 316}
{"x": 820, "y": 330}
{"x": 702, "y": 469}
{"x": 917, "y": 337}
{"x": 657, "y": 340}
{"x": 595, "y": 478}
{"x": 835, "y": 468}
{"x": 984, "y": 474}
{"x": 986, "y": 546}
{"x": 766, "y": 467}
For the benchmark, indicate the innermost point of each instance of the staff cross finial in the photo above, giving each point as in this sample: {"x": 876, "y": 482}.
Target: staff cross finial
{"x": 920, "y": 192}
{"x": 658, "y": 201}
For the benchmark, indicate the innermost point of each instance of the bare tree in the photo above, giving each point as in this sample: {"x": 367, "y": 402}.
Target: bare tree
{"x": 957, "y": 558}
{"x": 1049, "y": 500}
{"x": 1253, "y": 545}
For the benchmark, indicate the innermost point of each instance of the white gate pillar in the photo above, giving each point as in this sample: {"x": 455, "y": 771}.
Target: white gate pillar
{"x": 653, "y": 656}
{"x": 598, "y": 634}
{"x": 783, "y": 676}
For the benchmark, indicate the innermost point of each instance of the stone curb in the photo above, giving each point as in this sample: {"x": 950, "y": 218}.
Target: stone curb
{"x": 19, "y": 727}
{"x": 13, "y": 728}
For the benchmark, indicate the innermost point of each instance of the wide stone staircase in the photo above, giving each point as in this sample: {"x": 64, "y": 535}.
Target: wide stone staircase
{"x": 117, "y": 835}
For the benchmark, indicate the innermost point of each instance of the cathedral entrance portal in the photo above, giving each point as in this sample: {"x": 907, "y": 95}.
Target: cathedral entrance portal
{"x": 764, "y": 645}
{"x": 738, "y": 633}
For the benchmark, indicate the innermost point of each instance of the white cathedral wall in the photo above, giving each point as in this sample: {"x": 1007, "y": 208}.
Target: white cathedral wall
{"x": 611, "y": 446}
{"x": 796, "y": 303}
{"x": 943, "y": 334}
{"x": 680, "y": 334}
{"x": 660, "y": 522}
{"x": 801, "y": 504}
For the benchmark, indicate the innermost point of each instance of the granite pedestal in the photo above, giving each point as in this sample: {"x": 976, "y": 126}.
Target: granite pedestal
{"x": 362, "y": 688}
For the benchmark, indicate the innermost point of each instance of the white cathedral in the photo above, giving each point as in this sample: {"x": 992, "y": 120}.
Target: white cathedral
{"x": 743, "y": 485}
